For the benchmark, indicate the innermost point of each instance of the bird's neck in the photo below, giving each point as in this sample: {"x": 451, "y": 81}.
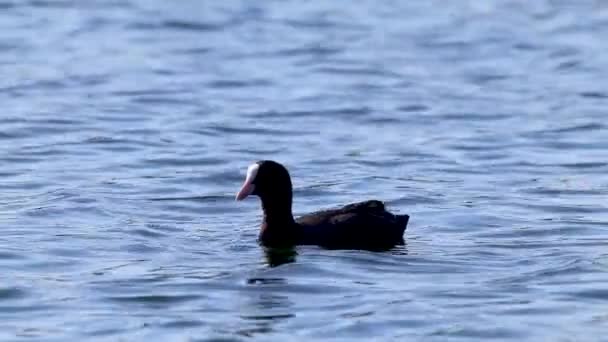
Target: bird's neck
{"x": 277, "y": 212}
{"x": 278, "y": 227}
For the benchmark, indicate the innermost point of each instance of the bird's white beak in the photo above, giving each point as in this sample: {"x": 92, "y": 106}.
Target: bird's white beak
{"x": 246, "y": 190}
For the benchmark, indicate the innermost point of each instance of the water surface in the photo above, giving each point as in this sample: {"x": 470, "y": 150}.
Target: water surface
{"x": 126, "y": 128}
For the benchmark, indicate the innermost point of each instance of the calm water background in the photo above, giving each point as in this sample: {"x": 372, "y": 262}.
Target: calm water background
{"x": 126, "y": 128}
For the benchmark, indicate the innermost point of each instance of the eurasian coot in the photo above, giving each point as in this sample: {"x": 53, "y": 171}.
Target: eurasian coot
{"x": 363, "y": 225}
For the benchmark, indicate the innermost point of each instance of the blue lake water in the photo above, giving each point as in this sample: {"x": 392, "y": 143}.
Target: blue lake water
{"x": 126, "y": 128}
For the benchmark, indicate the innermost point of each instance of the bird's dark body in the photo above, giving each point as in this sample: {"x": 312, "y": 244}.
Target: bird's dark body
{"x": 363, "y": 225}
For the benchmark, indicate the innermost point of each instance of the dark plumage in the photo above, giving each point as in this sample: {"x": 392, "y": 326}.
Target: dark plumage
{"x": 364, "y": 225}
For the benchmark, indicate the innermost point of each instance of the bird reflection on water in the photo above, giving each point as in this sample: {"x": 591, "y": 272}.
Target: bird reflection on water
{"x": 277, "y": 256}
